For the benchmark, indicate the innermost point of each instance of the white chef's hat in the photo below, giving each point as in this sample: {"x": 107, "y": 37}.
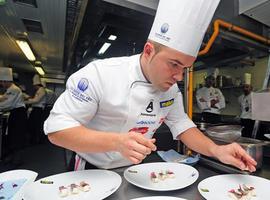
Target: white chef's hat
{"x": 6, "y": 74}
{"x": 36, "y": 80}
{"x": 247, "y": 78}
{"x": 43, "y": 83}
{"x": 181, "y": 24}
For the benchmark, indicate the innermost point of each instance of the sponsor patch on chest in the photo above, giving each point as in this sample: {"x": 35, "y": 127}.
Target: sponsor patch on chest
{"x": 167, "y": 103}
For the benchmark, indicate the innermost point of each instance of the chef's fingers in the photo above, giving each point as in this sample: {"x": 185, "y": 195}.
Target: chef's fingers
{"x": 141, "y": 148}
{"x": 149, "y": 143}
{"x": 245, "y": 156}
{"x": 134, "y": 160}
{"x": 250, "y": 166}
{"x": 136, "y": 157}
{"x": 238, "y": 163}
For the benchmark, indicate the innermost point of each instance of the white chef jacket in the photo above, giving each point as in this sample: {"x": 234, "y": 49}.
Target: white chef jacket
{"x": 39, "y": 99}
{"x": 113, "y": 95}
{"x": 13, "y": 98}
{"x": 50, "y": 97}
{"x": 245, "y": 105}
{"x": 209, "y": 94}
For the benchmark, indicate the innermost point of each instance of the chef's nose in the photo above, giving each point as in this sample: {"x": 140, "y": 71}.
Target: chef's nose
{"x": 178, "y": 76}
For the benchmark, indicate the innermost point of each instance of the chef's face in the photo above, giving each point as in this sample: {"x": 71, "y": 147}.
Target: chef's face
{"x": 210, "y": 81}
{"x": 165, "y": 66}
{"x": 4, "y": 84}
{"x": 247, "y": 89}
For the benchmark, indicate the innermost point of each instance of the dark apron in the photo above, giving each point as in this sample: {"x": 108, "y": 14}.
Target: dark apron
{"x": 17, "y": 129}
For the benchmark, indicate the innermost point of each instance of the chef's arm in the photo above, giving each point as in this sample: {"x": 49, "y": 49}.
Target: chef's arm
{"x": 221, "y": 101}
{"x": 194, "y": 139}
{"x": 6, "y": 104}
{"x": 132, "y": 145}
{"x": 39, "y": 94}
{"x": 202, "y": 102}
{"x": 2, "y": 98}
{"x": 232, "y": 154}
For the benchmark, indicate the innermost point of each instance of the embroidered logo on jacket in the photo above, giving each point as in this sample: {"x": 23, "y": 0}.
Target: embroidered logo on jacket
{"x": 78, "y": 93}
{"x": 146, "y": 122}
{"x": 83, "y": 84}
{"x": 167, "y": 103}
{"x": 150, "y": 107}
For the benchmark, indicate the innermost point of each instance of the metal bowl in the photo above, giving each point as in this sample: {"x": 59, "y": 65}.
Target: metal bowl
{"x": 229, "y": 133}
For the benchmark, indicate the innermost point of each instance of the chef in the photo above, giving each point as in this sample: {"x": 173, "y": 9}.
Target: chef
{"x": 111, "y": 108}
{"x": 12, "y": 101}
{"x": 245, "y": 105}
{"x": 36, "y": 118}
{"x": 210, "y": 100}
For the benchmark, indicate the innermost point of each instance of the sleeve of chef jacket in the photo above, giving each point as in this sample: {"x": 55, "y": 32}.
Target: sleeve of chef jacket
{"x": 177, "y": 120}
{"x": 9, "y": 98}
{"x": 221, "y": 104}
{"x": 202, "y": 105}
{"x": 76, "y": 107}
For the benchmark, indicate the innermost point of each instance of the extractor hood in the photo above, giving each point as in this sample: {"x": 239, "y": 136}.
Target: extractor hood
{"x": 258, "y": 10}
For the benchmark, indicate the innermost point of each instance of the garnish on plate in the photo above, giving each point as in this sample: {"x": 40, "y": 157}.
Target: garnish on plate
{"x": 204, "y": 189}
{"x": 132, "y": 171}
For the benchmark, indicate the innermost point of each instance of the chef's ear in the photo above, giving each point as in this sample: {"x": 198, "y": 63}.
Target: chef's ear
{"x": 148, "y": 49}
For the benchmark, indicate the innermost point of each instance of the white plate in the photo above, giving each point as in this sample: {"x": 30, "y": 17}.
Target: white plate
{"x": 158, "y": 198}
{"x": 102, "y": 182}
{"x": 30, "y": 177}
{"x": 267, "y": 136}
{"x": 219, "y": 186}
{"x": 185, "y": 175}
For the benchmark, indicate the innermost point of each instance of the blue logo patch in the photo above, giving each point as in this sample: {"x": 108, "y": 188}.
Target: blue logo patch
{"x": 78, "y": 93}
{"x": 145, "y": 122}
{"x": 164, "y": 28}
{"x": 167, "y": 103}
{"x": 161, "y": 34}
{"x": 83, "y": 84}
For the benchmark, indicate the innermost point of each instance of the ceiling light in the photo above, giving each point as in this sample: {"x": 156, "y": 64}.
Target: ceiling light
{"x": 112, "y": 37}
{"x": 104, "y": 48}
{"x": 40, "y": 70}
{"x": 26, "y": 49}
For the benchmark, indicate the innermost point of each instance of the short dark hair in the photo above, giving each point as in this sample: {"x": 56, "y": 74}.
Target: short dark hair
{"x": 157, "y": 46}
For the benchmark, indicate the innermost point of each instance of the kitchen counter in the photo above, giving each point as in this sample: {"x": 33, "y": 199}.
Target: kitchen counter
{"x": 128, "y": 191}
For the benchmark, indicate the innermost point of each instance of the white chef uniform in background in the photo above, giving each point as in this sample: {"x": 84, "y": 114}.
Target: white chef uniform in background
{"x": 209, "y": 94}
{"x": 113, "y": 95}
{"x": 12, "y": 101}
{"x": 36, "y": 117}
{"x": 245, "y": 102}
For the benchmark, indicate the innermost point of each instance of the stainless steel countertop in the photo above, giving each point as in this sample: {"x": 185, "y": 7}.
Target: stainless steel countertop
{"x": 128, "y": 191}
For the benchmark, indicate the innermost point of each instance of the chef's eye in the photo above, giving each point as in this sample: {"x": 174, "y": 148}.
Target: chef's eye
{"x": 174, "y": 64}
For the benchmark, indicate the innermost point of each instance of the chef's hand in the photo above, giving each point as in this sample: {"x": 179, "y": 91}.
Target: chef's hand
{"x": 235, "y": 155}
{"x": 214, "y": 102}
{"x": 135, "y": 147}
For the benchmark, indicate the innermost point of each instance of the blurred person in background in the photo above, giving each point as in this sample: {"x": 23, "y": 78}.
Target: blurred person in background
{"x": 12, "y": 101}
{"x": 245, "y": 105}
{"x": 210, "y": 100}
{"x": 36, "y": 117}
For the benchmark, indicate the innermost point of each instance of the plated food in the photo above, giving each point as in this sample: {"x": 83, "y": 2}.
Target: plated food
{"x": 156, "y": 177}
{"x": 85, "y": 184}
{"x": 234, "y": 187}
{"x": 243, "y": 192}
{"x": 73, "y": 188}
{"x": 161, "y": 176}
